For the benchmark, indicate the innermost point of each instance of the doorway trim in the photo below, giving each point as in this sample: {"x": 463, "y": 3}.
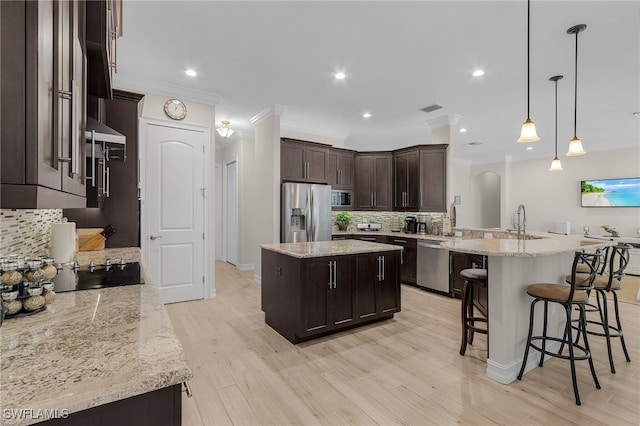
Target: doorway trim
{"x": 225, "y": 209}
{"x": 208, "y": 197}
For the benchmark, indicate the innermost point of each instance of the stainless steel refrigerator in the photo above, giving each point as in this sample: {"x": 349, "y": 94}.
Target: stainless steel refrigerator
{"x": 306, "y": 212}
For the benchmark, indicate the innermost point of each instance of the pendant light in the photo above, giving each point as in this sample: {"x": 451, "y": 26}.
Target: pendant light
{"x": 556, "y": 165}
{"x": 575, "y": 145}
{"x": 528, "y": 132}
{"x": 225, "y": 131}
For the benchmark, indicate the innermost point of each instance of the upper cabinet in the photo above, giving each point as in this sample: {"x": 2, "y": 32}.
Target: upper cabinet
{"x": 43, "y": 104}
{"x": 104, "y": 26}
{"x": 406, "y": 180}
{"x": 433, "y": 178}
{"x": 341, "y": 169}
{"x": 303, "y": 161}
{"x": 373, "y": 181}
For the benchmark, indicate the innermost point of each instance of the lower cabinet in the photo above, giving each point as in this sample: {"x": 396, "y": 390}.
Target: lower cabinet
{"x": 460, "y": 261}
{"x": 409, "y": 266}
{"x": 307, "y": 298}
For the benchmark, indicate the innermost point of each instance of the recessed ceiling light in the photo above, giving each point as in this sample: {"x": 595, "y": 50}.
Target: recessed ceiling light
{"x": 478, "y": 73}
{"x": 529, "y": 148}
{"x": 366, "y": 115}
{"x": 473, "y": 144}
{"x": 462, "y": 130}
{"x": 340, "y": 76}
{"x": 191, "y": 73}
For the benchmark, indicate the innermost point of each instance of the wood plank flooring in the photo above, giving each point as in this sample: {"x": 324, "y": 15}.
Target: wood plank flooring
{"x": 401, "y": 371}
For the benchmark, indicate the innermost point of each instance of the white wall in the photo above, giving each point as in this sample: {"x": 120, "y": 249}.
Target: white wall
{"x": 293, "y": 134}
{"x": 551, "y": 197}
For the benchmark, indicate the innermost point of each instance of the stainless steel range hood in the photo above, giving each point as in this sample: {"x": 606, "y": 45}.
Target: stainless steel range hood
{"x": 104, "y": 142}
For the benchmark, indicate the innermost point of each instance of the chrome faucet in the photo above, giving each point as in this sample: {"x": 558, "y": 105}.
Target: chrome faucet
{"x": 522, "y": 222}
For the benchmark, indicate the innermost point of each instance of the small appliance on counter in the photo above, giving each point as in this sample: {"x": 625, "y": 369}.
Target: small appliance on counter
{"x": 369, "y": 226}
{"x": 410, "y": 225}
{"x": 422, "y": 224}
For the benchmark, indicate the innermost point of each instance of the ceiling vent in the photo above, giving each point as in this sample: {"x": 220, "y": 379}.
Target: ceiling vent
{"x": 431, "y": 108}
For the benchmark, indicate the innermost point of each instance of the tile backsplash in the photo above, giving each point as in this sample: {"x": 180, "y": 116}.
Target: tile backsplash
{"x": 386, "y": 219}
{"x": 27, "y": 232}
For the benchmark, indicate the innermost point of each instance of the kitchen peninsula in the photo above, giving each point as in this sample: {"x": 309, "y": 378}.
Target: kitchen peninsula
{"x": 109, "y": 353}
{"x": 512, "y": 265}
{"x": 314, "y": 289}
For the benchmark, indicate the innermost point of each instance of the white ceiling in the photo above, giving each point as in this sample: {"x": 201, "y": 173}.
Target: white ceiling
{"x": 399, "y": 57}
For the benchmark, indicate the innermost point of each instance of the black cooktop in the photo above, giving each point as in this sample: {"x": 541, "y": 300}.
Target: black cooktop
{"x": 116, "y": 275}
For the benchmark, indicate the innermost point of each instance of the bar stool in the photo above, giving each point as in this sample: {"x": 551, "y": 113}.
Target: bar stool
{"x": 574, "y": 294}
{"x": 604, "y": 284}
{"x": 473, "y": 278}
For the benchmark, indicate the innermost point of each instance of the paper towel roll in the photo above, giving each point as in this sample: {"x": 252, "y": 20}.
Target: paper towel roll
{"x": 63, "y": 242}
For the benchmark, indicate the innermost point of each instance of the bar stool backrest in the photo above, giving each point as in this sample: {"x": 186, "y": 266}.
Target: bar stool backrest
{"x": 616, "y": 269}
{"x": 584, "y": 280}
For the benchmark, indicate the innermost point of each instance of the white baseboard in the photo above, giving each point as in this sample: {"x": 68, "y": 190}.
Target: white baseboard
{"x": 245, "y": 267}
{"x": 508, "y": 373}
{"x": 257, "y": 278}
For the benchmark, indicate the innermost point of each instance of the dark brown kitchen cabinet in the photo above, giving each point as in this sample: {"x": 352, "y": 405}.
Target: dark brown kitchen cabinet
{"x": 341, "y": 169}
{"x": 43, "y": 104}
{"x": 378, "y": 285}
{"x": 364, "y": 236}
{"x": 122, "y": 207}
{"x": 433, "y": 178}
{"x": 409, "y": 266}
{"x": 302, "y": 161}
{"x": 460, "y": 261}
{"x": 406, "y": 180}
{"x": 373, "y": 181}
{"x": 311, "y": 297}
{"x": 104, "y": 26}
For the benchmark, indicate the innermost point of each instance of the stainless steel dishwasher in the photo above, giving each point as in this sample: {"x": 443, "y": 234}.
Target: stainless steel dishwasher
{"x": 433, "y": 266}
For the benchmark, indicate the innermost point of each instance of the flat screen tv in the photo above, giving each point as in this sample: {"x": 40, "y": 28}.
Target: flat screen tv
{"x": 624, "y": 192}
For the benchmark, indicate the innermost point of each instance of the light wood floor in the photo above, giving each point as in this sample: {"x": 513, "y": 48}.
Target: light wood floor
{"x": 402, "y": 371}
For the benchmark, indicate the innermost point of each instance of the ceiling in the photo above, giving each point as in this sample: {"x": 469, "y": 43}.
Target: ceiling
{"x": 399, "y": 57}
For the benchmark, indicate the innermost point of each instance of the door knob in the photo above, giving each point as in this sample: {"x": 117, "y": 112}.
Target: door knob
{"x": 155, "y": 237}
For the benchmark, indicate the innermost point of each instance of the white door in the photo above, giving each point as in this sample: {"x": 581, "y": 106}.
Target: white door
{"x": 231, "y": 191}
{"x": 174, "y": 211}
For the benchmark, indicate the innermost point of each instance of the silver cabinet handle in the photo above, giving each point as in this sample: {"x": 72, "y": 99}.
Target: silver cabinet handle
{"x": 382, "y": 268}
{"x": 154, "y": 237}
{"x": 420, "y": 199}
{"x": 330, "y": 274}
{"x": 374, "y": 199}
{"x": 107, "y": 184}
{"x": 335, "y": 274}
{"x": 400, "y": 241}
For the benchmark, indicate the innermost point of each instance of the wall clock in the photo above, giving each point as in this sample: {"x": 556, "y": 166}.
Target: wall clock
{"x": 175, "y": 109}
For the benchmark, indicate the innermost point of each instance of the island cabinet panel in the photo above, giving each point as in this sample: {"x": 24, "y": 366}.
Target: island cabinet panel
{"x": 311, "y": 297}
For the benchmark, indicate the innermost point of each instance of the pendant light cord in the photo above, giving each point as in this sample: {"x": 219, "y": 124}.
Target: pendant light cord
{"x": 575, "y": 91}
{"x": 556, "y": 119}
{"x": 528, "y": 55}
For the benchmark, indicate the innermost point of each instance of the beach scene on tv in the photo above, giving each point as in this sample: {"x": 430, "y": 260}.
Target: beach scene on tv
{"x": 611, "y": 192}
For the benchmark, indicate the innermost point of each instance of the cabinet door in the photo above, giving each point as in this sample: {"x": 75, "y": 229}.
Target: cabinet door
{"x": 346, "y": 168}
{"x": 383, "y": 178}
{"x": 332, "y": 169}
{"x": 316, "y": 159}
{"x": 366, "y": 286}
{"x": 412, "y": 199}
{"x": 315, "y": 297}
{"x": 364, "y": 182}
{"x": 409, "y": 265}
{"x": 457, "y": 262}
{"x": 389, "y": 286}
{"x": 399, "y": 181}
{"x": 433, "y": 186}
{"x": 343, "y": 292}
{"x": 292, "y": 161}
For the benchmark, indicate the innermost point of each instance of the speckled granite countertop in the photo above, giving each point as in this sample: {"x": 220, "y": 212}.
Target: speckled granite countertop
{"x": 540, "y": 245}
{"x": 328, "y": 248}
{"x": 90, "y": 348}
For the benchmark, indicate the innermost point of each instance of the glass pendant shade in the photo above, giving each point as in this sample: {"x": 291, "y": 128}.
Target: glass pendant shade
{"x": 575, "y": 147}
{"x": 225, "y": 131}
{"x": 556, "y": 165}
{"x": 528, "y": 133}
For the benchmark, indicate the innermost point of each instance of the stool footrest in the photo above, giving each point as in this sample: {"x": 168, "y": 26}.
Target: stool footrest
{"x": 585, "y": 353}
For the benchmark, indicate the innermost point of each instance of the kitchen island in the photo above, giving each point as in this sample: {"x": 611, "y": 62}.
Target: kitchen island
{"x": 314, "y": 289}
{"x": 109, "y": 353}
{"x": 512, "y": 265}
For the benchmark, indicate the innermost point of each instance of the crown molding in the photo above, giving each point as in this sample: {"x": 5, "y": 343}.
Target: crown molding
{"x": 443, "y": 120}
{"x": 276, "y": 109}
{"x": 165, "y": 89}
{"x": 294, "y": 126}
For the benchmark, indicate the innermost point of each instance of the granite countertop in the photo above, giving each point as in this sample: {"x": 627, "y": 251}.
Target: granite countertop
{"x": 328, "y": 248}
{"x": 537, "y": 244}
{"x": 393, "y": 234}
{"x": 90, "y": 347}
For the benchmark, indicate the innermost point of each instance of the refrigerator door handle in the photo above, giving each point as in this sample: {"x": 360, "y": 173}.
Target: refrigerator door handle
{"x": 313, "y": 216}
{"x": 307, "y": 224}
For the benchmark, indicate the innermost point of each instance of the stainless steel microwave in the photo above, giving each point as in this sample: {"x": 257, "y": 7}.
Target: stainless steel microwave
{"x": 340, "y": 198}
